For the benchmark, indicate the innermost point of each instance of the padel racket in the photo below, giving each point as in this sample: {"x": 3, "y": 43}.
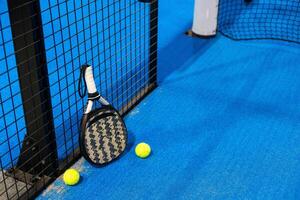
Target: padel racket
{"x": 103, "y": 136}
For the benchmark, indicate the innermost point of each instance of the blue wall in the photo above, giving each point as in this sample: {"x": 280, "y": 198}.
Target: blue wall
{"x": 12, "y": 122}
{"x": 113, "y": 37}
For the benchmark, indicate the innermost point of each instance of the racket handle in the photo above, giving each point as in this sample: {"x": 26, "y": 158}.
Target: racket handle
{"x": 89, "y": 79}
{"x": 91, "y": 87}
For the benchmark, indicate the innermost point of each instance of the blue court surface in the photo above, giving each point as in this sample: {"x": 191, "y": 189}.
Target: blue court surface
{"x": 224, "y": 123}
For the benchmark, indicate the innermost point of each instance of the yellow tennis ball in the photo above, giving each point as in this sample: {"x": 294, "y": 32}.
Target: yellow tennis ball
{"x": 71, "y": 177}
{"x": 142, "y": 150}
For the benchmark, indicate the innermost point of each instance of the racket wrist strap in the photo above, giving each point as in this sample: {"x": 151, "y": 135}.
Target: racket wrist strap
{"x": 82, "y": 91}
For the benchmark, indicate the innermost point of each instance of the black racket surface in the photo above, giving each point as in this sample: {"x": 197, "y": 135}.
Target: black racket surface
{"x": 104, "y": 136}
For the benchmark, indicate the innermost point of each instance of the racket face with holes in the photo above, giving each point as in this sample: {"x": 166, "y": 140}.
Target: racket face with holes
{"x": 103, "y": 136}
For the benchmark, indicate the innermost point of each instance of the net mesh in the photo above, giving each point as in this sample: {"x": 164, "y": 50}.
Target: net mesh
{"x": 260, "y": 19}
{"x": 43, "y": 44}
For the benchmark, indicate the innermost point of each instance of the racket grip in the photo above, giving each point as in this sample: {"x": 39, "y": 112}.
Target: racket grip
{"x": 90, "y": 82}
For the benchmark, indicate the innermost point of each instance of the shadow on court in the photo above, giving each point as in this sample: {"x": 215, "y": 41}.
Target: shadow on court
{"x": 179, "y": 51}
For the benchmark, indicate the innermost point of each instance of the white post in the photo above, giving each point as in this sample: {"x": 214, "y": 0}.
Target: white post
{"x": 205, "y": 17}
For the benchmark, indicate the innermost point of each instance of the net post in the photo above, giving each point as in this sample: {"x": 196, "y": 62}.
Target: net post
{"x": 38, "y": 156}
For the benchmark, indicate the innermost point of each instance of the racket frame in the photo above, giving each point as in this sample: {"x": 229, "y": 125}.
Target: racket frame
{"x": 84, "y": 121}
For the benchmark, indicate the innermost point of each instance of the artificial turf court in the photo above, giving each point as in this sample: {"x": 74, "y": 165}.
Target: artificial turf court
{"x": 223, "y": 123}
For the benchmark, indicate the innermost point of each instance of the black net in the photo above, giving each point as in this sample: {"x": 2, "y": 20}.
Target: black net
{"x": 42, "y": 46}
{"x": 260, "y": 19}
